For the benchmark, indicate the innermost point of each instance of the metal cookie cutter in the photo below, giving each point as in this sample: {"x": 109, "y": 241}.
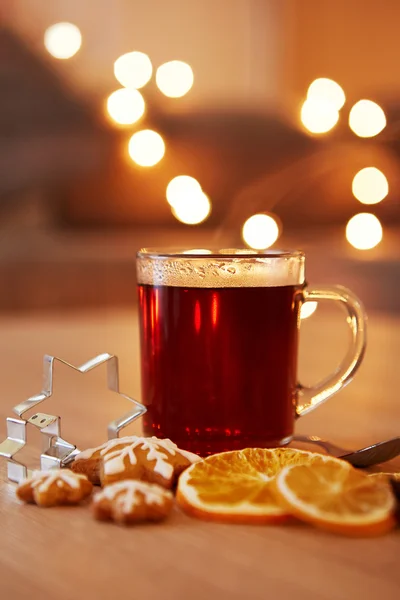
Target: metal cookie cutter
{"x": 57, "y": 452}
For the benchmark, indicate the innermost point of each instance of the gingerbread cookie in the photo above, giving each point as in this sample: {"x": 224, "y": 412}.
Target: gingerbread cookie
{"x": 148, "y": 459}
{"x": 54, "y": 488}
{"x": 132, "y": 502}
{"x": 88, "y": 461}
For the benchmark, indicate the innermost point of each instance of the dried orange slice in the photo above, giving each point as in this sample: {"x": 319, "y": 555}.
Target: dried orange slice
{"x": 385, "y": 477}
{"x": 237, "y": 486}
{"x": 331, "y": 494}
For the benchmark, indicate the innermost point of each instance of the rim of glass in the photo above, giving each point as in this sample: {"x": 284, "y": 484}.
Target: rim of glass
{"x": 224, "y": 253}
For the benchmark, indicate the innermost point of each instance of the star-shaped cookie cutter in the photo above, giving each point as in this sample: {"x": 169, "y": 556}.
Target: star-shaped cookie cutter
{"x": 54, "y": 451}
{"x": 57, "y": 452}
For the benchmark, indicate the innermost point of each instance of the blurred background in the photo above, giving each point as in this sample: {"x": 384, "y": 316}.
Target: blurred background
{"x": 252, "y": 123}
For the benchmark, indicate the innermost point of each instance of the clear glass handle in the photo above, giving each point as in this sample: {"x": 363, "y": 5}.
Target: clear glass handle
{"x": 311, "y": 397}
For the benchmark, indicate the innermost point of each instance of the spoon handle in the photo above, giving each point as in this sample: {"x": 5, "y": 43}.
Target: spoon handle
{"x": 330, "y": 448}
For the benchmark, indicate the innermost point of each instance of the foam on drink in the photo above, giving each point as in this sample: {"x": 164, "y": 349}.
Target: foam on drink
{"x": 225, "y": 268}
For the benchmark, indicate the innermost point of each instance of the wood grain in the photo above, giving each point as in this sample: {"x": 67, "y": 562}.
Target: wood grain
{"x": 64, "y": 554}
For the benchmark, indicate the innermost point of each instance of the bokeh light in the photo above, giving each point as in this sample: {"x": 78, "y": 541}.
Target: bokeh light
{"x": 175, "y": 78}
{"x": 370, "y": 185}
{"x": 192, "y": 209}
{"x": 367, "y": 118}
{"x": 146, "y": 148}
{"x": 308, "y": 309}
{"x": 133, "y": 70}
{"x": 125, "y": 106}
{"x": 327, "y": 89}
{"x": 364, "y": 231}
{"x": 319, "y": 115}
{"x": 62, "y": 40}
{"x": 260, "y": 231}
{"x": 181, "y": 186}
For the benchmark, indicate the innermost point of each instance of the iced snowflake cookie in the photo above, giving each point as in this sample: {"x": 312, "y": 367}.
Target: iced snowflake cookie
{"x": 132, "y": 502}
{"x": 88, "y": 461}
{"x": 54, "y": 488}
{"x": 146, "y": 459}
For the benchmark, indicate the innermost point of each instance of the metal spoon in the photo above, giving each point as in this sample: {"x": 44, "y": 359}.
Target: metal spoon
{"x": 363, "y": 458}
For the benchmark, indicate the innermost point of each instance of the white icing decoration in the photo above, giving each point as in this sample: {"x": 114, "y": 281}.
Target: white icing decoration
{"x": 114, "y": 462}
{"x": 127, "y": 494}
{"x": 90, "y": 452}
{"x": 43, "y": 480}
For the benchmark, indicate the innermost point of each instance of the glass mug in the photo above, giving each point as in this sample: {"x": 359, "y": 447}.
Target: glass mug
{"x": 219, "y": 344}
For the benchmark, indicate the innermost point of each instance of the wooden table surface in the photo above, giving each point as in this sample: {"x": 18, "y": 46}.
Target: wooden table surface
{"x": 64, "y": 554}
